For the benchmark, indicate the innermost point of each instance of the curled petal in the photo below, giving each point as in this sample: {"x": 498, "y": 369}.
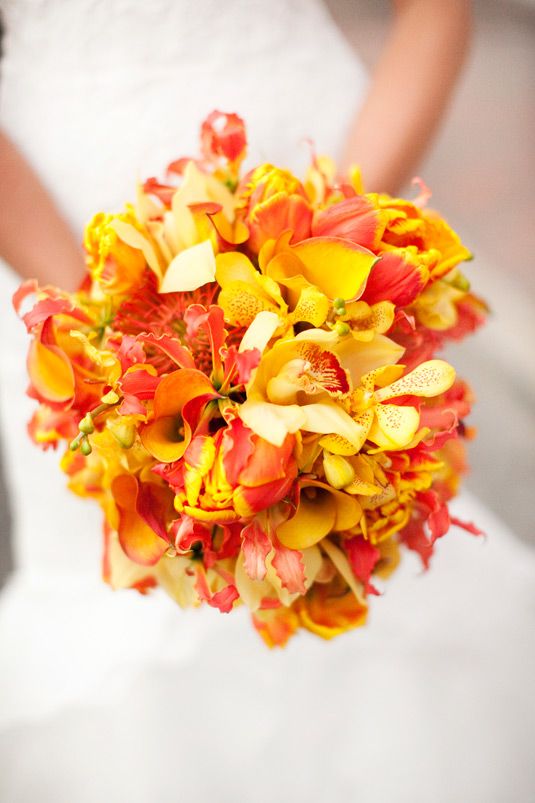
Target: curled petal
{"x": 288, "y": 563}
{"x": 397, "y": 424}
{"x": 256, "y": 546}
{"x": 355, "y": 219}
{"x": 313, "y": 520}
{"x": 51, "y": 372}
{"x": 138, "y": 540}
{"x": 260, "y": 331}
{"x": 312, "y": 260}
{"x": 393, "y": 278}
{"x": 132, "y": 237}
{"x": 223, "y": 599}
{"x": 273, "y": 422}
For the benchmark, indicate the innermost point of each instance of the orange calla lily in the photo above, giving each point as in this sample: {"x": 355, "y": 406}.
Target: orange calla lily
{"x": 170, "y": 433}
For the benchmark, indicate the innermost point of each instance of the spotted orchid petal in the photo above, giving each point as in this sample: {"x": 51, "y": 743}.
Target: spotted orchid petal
{"x": 395, "y": 426}
{"x": 429, "y": 379}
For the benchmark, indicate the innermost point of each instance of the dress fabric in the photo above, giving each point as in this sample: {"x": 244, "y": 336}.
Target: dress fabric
{"x": 110, "y": 696}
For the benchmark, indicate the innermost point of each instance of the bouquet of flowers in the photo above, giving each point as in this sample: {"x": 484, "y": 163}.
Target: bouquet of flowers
{"x": 246, "y": 382}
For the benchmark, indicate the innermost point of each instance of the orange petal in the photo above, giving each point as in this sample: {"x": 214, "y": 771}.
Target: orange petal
{"x": 139, "y": 541}
{"x": 178, "y": 388}
{"x": 51, "y": 372}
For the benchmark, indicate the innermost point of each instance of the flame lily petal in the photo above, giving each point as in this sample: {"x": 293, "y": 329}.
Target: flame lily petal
{"x": 139, "y": 541}
{"x": 51, "y": 372}
{"x": 343, "y": 566}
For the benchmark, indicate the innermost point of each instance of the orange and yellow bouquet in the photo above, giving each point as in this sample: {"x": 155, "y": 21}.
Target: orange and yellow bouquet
{"x": 247, "y": 385}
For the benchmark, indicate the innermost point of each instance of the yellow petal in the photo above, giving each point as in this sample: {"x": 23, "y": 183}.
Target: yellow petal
{"x": 162, "y": 439}
{"x": 190, "y": 269}
{"x": 338, "y": 471}
{"x": 312, "y": 307}
{"x": 272, "y": 422}
{"x": 338, "y": 268}
{"x": 382, "y": 376}
{"x": 361, "y": 358}
{"x": 132, "y": 237}
{"x": 429, "y": 379}
{"x": 397, "y": 423}
{"x": 436, "y": 307}
{"x": 348, "y": 511}
{"x": 242, "y": 302}
{"x": 234, "y": 267}
{"x": 325, "y": 418}
{"x": 338, "y": 445}
{"x": 342, "y": 564}
{"x": 260, "y": 331}
{"x": 314, "y": 519}
{"x": 175, "y": 576}
{"x": 312, "y": 560}
{"x": 51, "y": 372}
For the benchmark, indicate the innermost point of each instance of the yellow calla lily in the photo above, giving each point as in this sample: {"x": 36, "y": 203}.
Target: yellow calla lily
{"x": 307, "y": 263}
{"x": 321, "y": 510}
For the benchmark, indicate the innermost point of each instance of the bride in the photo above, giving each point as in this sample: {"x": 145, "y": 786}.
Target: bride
{"x": 114, "y": 697}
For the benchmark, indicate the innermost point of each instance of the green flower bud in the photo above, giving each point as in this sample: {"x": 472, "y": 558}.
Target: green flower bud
{"x": 85, "y": 447}
{"x": 86, "y": 424}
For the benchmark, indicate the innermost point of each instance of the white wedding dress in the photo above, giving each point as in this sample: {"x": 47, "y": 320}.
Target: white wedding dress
{"x": 113, "y": 697}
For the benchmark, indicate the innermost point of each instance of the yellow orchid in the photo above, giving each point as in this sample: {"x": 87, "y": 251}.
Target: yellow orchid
{"x": 390, "y": 426}
{"x": 245, "y": 292}
{"x": 300, "y": 381}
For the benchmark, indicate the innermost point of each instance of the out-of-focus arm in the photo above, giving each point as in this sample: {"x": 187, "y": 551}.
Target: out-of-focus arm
{"x": 34, "y": 238}
{"x": 410, "y": 89}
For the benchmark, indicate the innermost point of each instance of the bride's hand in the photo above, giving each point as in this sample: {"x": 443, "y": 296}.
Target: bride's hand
{"x": 410, "y": 89}
{"x": 34, "y": 238}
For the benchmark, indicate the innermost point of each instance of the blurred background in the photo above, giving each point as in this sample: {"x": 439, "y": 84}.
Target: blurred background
{"x": 482, "y": 173}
